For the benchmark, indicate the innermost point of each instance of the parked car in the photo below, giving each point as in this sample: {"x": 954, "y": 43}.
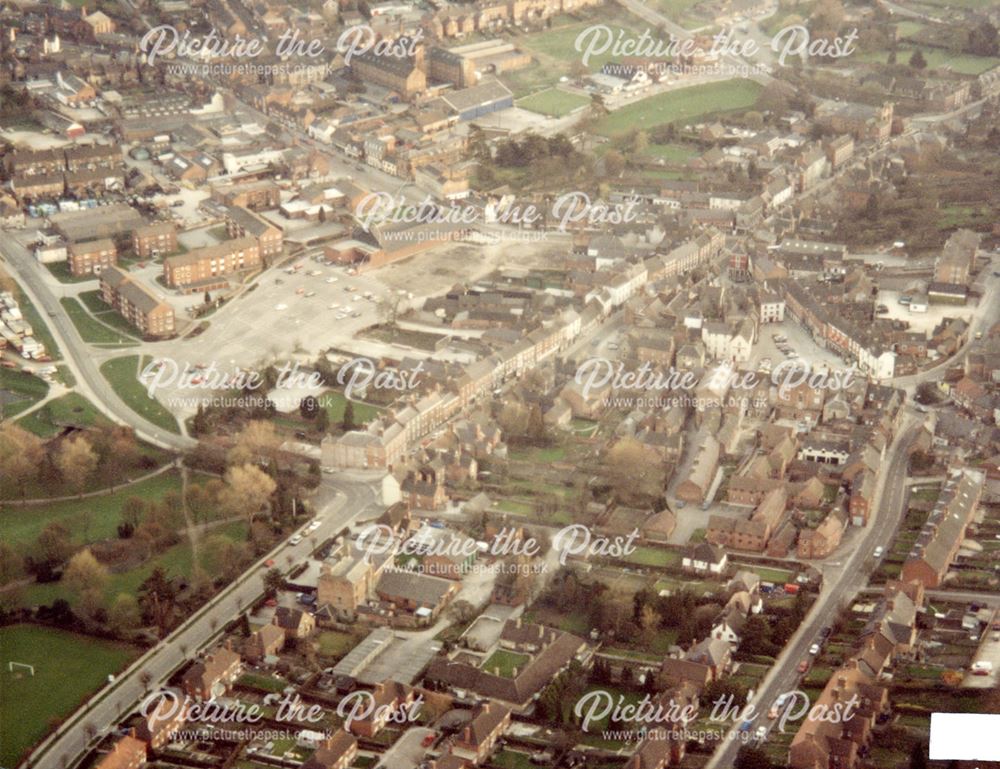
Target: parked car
{"x": 295, "y": 539}
{"x": 814, "y": 649}
{"x": 803, "y": 666}
{"x": 879, "y": 551}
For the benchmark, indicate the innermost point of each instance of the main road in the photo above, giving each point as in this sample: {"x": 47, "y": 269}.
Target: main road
{"x": 840, "y": 584}
{"x": 342, "y": 498}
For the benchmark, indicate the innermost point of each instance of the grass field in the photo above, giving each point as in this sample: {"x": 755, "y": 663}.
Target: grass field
{"x": 654, "y": 556}
{"x": 553, "y": 102}
{"x": 93, "y": 331}
{"x": 106, "y": 314}
{"x": 671, "y": 153}
{"x": 21, "y": 391}
{"x": 87, "y": 519}
{"x": 334, "y": 402}
{"x": 503, "y": 663}
{"x": 684, "y": 105}
{"x": 70, "y": 409}
{"x": 122, "y": 374}
{"x": 962, "y": 63}
{"x": 68, "y": 668}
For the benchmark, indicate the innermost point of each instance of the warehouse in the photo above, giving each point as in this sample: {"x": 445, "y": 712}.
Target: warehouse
{"x": 471, "y": 103}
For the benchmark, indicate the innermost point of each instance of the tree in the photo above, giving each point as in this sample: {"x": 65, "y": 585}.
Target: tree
{"x": 348, "y": 420}
{"x": 309, "y": 407}
{"x": 322, "y": 420}
{"x": 636, "y": 474}
{"x": 274, "y": 580}
{"x": 640, "y": 141}
{"x": 597, "y": 106}
{"x": 917, "y": 60}
{"x": 76, "y": 461}
{"x": 918, "y": 756}
{"x": 53, "y": 545}
{"x": 537, "y": 433}
{"x": 85, "y": 573}
{"x": 614, "y": 163}
{"x": 248, "y": 489}
{"x": 256, "y": 443}
{"x": 21, "y": 454}
{"x": 208, "y": 298}
{"x": 156, "y": 598}
{"x": 11, "y": 564}
{"x": 124, "y": 615}
{"x": 221, "y": 556}
{"x": 983, "y": 40}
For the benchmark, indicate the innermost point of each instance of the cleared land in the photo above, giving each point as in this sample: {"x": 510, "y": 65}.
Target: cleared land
{"x": 684, "y": 105}
{"x": 68, "y": 668}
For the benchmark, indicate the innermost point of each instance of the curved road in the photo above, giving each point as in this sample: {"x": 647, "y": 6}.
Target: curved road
{"x": 343, "y": 498}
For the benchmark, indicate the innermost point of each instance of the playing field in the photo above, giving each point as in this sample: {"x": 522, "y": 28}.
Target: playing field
{"x": 553, "y": 102}
{"x": 686, "y": 104}
{"x": 68, "y": 668}
{"x": 964, "y": 64}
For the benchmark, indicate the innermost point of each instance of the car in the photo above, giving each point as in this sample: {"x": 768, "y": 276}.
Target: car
{"x": 428, "y": 739}
{"x": 760, "y": 734}
{"x": 680, "y": 504}
{"x": 878, "y": 552}
{"x": 278, "y": 281}
{"x": 270, "y": 602}
{"x": 996, "y": 274}
{"x": 332, "y": 306}
{"x": 331, "y": 280}
{"x": 300, "y": 291}
{"x": 773, "y": 712}
{"x": 803, "y": 666}
{"x": 814, "y": 649}
{"x": 355, "y": 314}
{"x": 347, "y": 289}
{"x": 295, "y": 539}
{"x": 316, "y": 273}
{"x": 825, "y": 632}
{"x": 979, "y": 335}
{"x": 310, "y": 293}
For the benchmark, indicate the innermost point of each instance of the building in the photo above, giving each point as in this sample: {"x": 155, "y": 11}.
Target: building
{"x": 206, "y": 268}
{"x": 154, "y": 239}
{"x": 478, "y": 100}
{"x": 91, "y": 257}
{"x": 294, "y": 623}
{"x": 128, "y": 752}
{"x": 942, "y": 535}
{"x": 388, "y": 699}
{"x": 242, "y": 222}
{"x": 336, "y": 752}
{"x": 212, "y": 676}
{"x": 137, "y": 303}
{"x": 695, "y": 487}
{"x": 162, "y": 722}
{"x": 824, "y": 539}
{"x": 704, "y": 558}
{"x": 403, "y": 74}
{"x": 264, "y": 642}
{"x": 477, "y": 740}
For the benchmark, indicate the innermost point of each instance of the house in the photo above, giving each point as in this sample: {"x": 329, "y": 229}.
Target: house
{"x": 424, "y": 490}
{"x": 336, "y": 752}
{"x": 264, "y": 642}
{"x": 695, "y": 487}
{"x": 388, "y": 698}
{"x": 162, "y": 721}
{"x": 705, "y": 558}
{"x": 128, "y": 752}
{"x": 705, "y": 662}
{"x": 213, "y": 675}
{"x": 862, "y": 497}
{"x": 347, "y": 585}
{"x": 294, "y": 623}
{"x": 824, "y": 539}
{"x": 477, "y": 740}
{"x": 729, "y": 626}
{"x": 942, "y": 535}
{"x": 422, "y": 595}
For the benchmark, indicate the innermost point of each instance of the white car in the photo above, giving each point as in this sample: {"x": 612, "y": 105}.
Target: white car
{"x": 761, "y": 733}
{"x": 878, "y": 551}
{"x": 814, "y": 649}
{"x": 333, "y": 306}
{"x": 280, "y": 307}
{"x": 331, "y": 280}
{"x": 295, "y": 539}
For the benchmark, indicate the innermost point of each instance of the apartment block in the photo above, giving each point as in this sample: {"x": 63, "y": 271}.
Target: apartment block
{"x": 155, "y": 239}
{"x": 206, "y": 268}
{"x": 91, "y": 257}
{"x": 136, "y": 303}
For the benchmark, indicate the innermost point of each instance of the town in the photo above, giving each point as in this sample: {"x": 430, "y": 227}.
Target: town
{"x": 429, "y": 384}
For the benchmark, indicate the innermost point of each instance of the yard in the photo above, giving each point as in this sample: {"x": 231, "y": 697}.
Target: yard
{"x": 654, "y": 556}
{"x": 68, "y": 668}
{"x": 335, "y": 644}
{"x": 123, "y": 375}
{"x": 553, "y": 102}
{"x": 504, "y": 663}
{"x": 681, "y": 106}
{"x": 334, "y": 402}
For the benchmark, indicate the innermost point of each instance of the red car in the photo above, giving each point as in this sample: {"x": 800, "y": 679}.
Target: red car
{"x": 428, "y": 740}
{"x": 803, "y": 666}
{"x": 271, "y": 602}
{"x": 269, "y": 562}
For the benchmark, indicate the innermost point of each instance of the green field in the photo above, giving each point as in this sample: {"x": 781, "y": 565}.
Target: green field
{"x": 676, "y": 154}
{"x": 553, "y": 102}
{"x": 123, "y": 374}
{"x": 93, "y": 331}
{"x": 684, "y": 105}
{"x": 654, "y": 556}
{"x": 21, "y": 391}
{"x": 70, "y": 409}
{"x": 334, "y": 402}
{"x": 962, "y": 63}
{"x": 503, "y": 662}
{"x": 68, "y": 668}
{"x": 87, "y": 519}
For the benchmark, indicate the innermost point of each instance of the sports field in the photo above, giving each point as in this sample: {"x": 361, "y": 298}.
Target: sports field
{"x": 68, "y": 668}
{"x": 685, "y": 104}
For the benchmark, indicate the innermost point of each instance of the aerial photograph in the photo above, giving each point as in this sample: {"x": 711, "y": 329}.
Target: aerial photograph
{"x": 499, "y": 384}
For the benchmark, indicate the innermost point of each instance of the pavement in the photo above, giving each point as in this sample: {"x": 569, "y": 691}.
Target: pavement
{"x": 340, "y": 500}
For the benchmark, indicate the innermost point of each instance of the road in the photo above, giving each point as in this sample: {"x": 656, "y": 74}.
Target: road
{"x": 840, "y": 584}
{"x": 76, "y": 353}
{"x": 342, "y": 499}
